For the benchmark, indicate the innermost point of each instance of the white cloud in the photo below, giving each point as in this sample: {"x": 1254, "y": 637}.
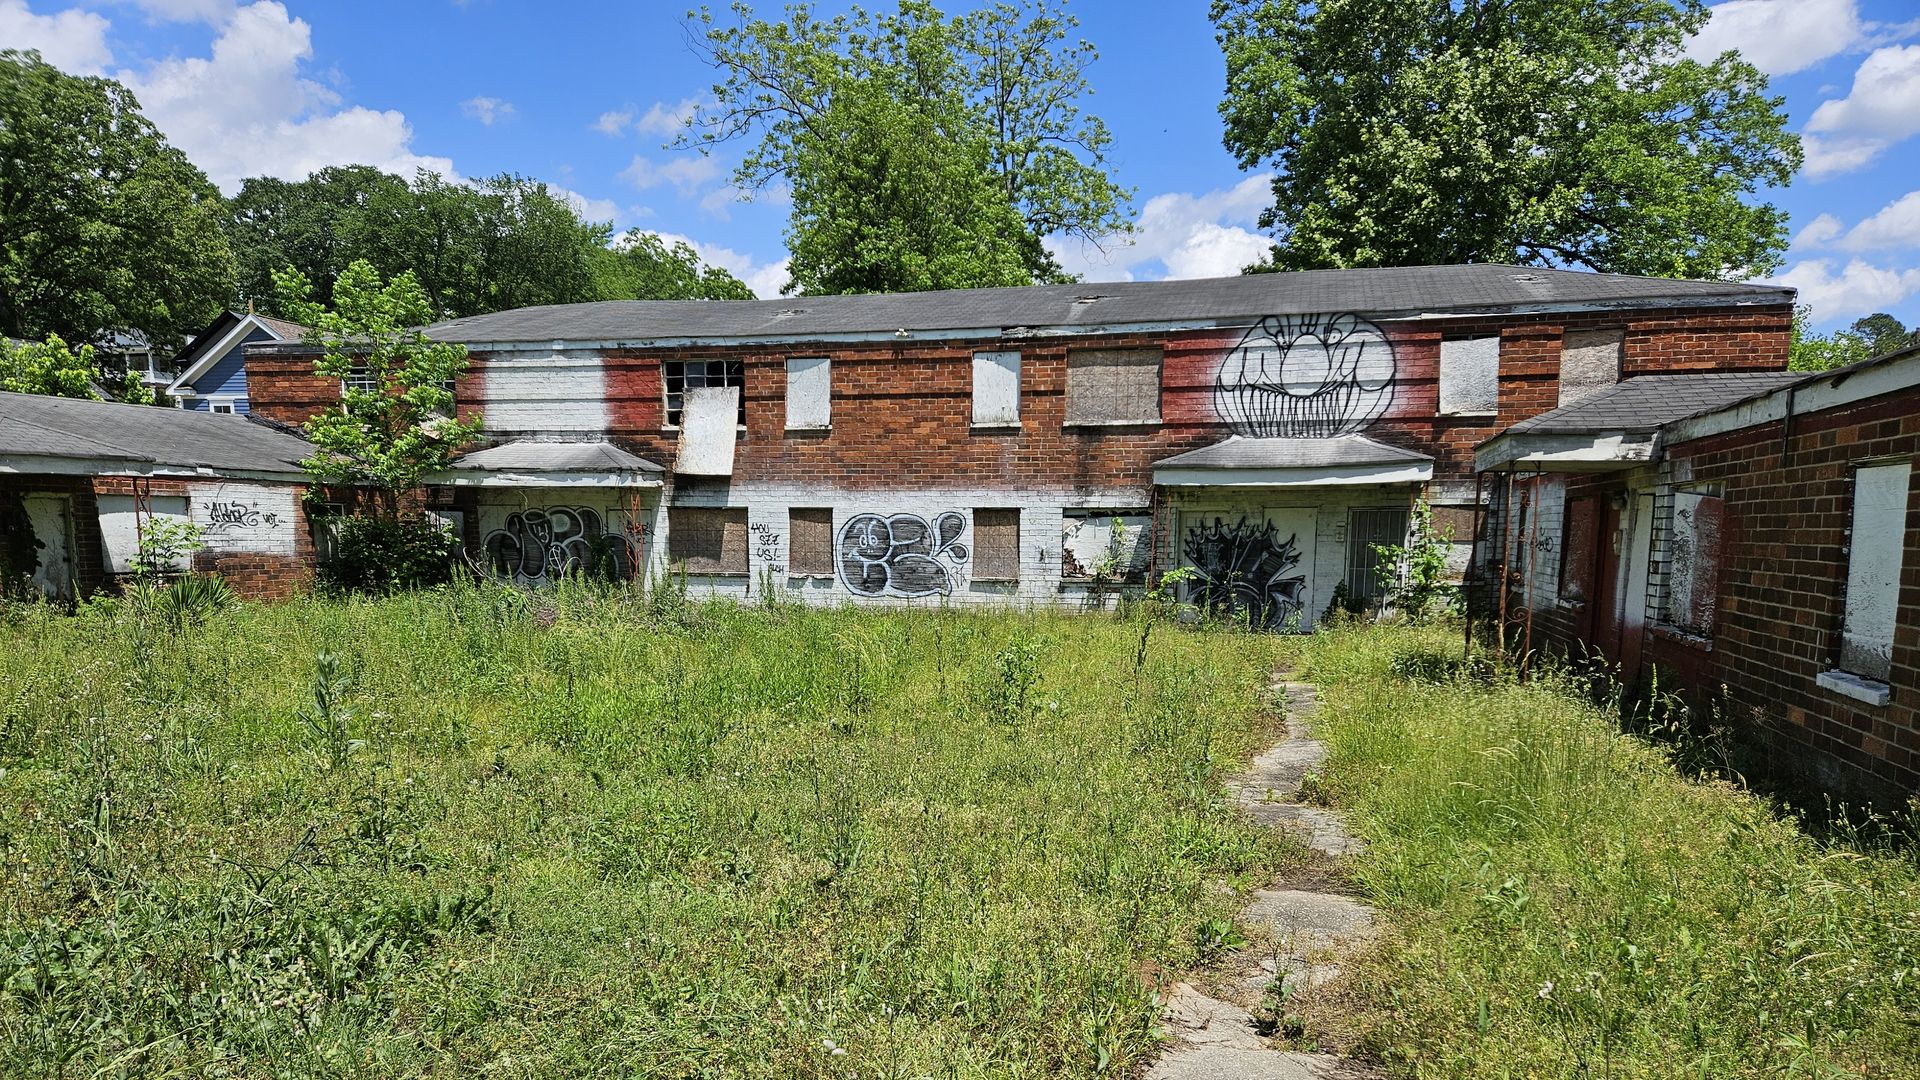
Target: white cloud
{"x": 1882, "y": 108}
{"x": 684, "y": 173}
{"x": 721, "y": 200}
{"x": 487, "y": 109}
{"x": 74, "y": 41}
{"x": 1821, "y": 230}
{"x": 1858, "y": 289}
{"x": 1896, "y": 225}
{"x": 1779, "y": 37}
{"x": 614, "y": 121}
{"x": 247, "y": 111}
{"x": 765, "y": 279}
{"x": 1190, "y": 236}
{"x": 667, "y": 120}
{"x": 589, "y": 209}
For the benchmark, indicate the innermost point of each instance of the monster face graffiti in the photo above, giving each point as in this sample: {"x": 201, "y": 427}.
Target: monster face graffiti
{"x": 548, "y": 543}
{"x": 1306, "y": 377}
{"x": 901, "y": 555}
{"x": 1246, "y": 568}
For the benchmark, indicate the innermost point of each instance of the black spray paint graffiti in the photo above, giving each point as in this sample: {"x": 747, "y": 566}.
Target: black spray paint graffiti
{"x": 222, "y": 516}
{"x": 766, "y": 547}
{"x": 1306, "y": 377}
{"x": 1247, "y": 568}
{"x": 546, "y": 544}
{"x": 901, "y": 555}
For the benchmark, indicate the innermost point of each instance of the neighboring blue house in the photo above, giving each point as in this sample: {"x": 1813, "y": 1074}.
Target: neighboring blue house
{"x": 213, "y": 369}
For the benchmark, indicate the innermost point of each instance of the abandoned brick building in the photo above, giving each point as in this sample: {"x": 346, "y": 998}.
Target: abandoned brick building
{"x": 1030, "y": 444}
{"x": 1748, "y": 537}
{"x": 82, "y": 481}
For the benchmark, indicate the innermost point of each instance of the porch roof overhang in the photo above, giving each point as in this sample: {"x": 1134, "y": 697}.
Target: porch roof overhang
{"x": 536, "y": 463}
{"x": 1327, "y": 462}
{"x": 1604, "y": 451}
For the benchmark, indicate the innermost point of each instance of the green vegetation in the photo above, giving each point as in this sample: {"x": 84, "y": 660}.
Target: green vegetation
{"x": 1567, "y": 133}
{"x": 52, "y": 367}
{"x": 1562, "y": 903}
{"x": 471, "y": 831}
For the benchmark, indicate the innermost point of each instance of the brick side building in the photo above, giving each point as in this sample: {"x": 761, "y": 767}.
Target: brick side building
{"x": 81, "y": 481}
{"x": 1758, "y": 551}
{"x": 1028, "y": 444}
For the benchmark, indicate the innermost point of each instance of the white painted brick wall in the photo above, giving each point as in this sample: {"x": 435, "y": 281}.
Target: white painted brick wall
{"x": 561, "y": 392}
{"x": 259, "y": 518}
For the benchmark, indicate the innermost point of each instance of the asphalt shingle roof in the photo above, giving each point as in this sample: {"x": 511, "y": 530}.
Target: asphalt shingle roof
{"x": 1647, "y": 402}
{"x": 1240, "y": 453}
{"x": 1377, "y": 292}
{"x": 39, "y": 426}
{"x": 536, "y": 456}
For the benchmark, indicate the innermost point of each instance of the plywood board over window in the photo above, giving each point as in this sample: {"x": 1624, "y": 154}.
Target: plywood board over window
{"x": 707, "y": 431}
{"x": 1693, "y": 578}
{"x": 996, "y": 545}
{"x": 810, "y": 542}
{"x": 1106, "y": 545}
{"x": 809, "y": 393}
{"x": 1589, "y": 363}
{"x": 1113, "y": 386}
{"x": 1879, "y": 544}
{"x": 996, "y": 389}
{"x": 1469, "y": 376}
{"x": 708, "y": 540}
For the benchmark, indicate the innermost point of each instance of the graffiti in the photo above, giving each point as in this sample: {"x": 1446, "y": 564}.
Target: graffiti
{"x": 766, "y": 547}
{"x": 901, "y": 555}
{"x": 1305, "y": 377}
{"x": 546, "y": 544}
{"x": 239, "y": 515}
{"x": 1248, "y": 569}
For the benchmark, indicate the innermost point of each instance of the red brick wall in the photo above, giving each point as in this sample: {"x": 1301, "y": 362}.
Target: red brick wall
{"x": 902, "y": 412}
{"x": 1783, "y": 574}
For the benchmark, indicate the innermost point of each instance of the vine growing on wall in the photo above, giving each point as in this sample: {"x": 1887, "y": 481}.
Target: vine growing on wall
{"x": 1420, "y": 588}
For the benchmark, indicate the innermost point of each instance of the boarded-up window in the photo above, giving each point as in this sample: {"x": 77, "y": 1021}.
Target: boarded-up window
{"x": 707, "y": 431}
{"x": 1578, "y": 547}
{"x": 810, "y": 542}
{"x": 683, "y": 375}
{"x": 1589, "y": 363}
{"x": 1113, "y": 386}
{"x": 123, "y": 521}
{"x": 1469, "y": 376}
{"x": 1873, "y": 569}
{"x": 1693, "y": 576}
{"x": 708, "y": 540}
{"x": 996, "y": 388}
{"x": 996, "y": 545}
{"x": 809, "y": 393}
{"x": 1106, "y": 545}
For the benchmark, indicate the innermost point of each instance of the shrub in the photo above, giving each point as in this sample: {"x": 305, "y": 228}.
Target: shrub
{"x": 383, "y": 555}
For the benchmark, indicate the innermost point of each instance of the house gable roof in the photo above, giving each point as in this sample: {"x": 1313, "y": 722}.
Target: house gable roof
{"x": 1617, "y": 426}
{"x": 41, "y": 434}
{"x": 219, "y": 339}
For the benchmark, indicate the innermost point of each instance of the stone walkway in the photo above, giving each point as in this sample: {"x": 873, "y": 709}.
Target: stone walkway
{"x": 1294, "y": 934}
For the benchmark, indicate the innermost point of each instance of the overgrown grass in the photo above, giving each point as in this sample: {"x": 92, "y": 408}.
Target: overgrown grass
{"x": 599, "y": 835}
{"x": 1562, "y": 902}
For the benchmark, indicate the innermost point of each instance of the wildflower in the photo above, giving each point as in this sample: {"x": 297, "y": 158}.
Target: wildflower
{"x": 832, "y": 1048}
{"x": 1546, "y": 990}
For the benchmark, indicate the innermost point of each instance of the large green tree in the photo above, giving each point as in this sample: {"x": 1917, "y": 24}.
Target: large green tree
{"x": 642, "y": 266}
{"x": 1547, "y": 132}
{"x": 104, "y": 226}
{"x": 989, "y": 102}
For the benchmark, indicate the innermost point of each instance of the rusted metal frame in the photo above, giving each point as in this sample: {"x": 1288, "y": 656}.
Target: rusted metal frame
{"x": 1507, "y": 531}
{"x": 1533, "y": 551}
{"x": 1473, "y": 563}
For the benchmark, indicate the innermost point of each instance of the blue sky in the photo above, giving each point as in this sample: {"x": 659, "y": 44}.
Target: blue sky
{"x": 583, "y": 94}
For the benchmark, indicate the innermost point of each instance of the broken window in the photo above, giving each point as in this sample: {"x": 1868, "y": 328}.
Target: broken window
{"x": 708, "y": 540}
{"x": 810, "y": 542}
{"x": 1113, "y": 386}
{"x": 1693, "y": 570}
{"x": 1589, "y": 363}
{"x": 1469, "y": 376}
{"x": 1106, "y": 545}
{"x": 809, "y": 393}
{"x": 996, "y": 545}
{"x": 996, "y": 388}
{"x": 1878, "y": 547}
{"x": 683, "y": 375}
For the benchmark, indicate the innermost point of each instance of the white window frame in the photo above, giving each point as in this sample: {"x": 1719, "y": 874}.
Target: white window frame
{"x": 223, "y": 405}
